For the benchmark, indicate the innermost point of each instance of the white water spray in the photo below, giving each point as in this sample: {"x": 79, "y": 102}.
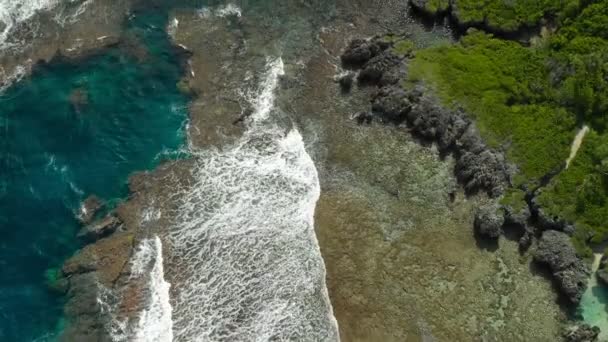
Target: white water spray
{"x": 221, "y": 11}
{"x": 153, "y": 323}
{"x": 244, "y": 255}
{"x": 14, "y": 12}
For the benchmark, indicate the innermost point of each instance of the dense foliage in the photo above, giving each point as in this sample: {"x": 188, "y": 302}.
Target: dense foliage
{"x": 530, "y": 101}
{"x": 505, "y": 15}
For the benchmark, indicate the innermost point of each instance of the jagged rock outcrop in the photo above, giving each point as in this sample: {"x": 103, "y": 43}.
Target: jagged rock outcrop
{"x": 99, "y": 229}
{"x": 346, "y": 81}
{"x": 518, "y": 217}
{"x": 547, "y": 221}
{"x": 90, "y": 206}
{"x": 602, "y": 271}
{"x": 570, "y": 272}
{"x": 381, "y": 69}
{"x": 358, "y": 52}
{"x": 477, "y": 166}
{"x": 581, "y": 333}
{"x": 488, "y": 222}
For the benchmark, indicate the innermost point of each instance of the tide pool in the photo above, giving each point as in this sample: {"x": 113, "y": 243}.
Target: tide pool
{"x": 72, "y": 129}
{"x": 594, "y": 303}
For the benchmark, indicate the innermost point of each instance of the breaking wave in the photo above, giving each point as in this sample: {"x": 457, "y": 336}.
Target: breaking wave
{"x": 14, "y": 12}
{"x": 221, "y": 11}
{"x": 153, "y": 323}
{"x": 244, "y": 259}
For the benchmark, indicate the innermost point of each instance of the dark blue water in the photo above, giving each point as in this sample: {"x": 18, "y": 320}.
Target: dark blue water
{"x": 76, "y": 128}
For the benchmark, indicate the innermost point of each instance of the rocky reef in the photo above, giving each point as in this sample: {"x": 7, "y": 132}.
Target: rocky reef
{"x": 569, "y": 271}
{"x": 581, "y": 333}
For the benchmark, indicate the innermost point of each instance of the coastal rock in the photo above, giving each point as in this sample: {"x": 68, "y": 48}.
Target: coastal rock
{"x": 486, "y": 170}
{"x": 89, "y": 208}
{"x": 517, "y": 217}
{"x": 581, "y": 333}
{"x": 477, "y": 166}
{"x": 391, "y": 104}
{"x": 602, "y": 272}
{"x": 346, "y": 81}
{"x": 363, "y": 118}
{"x": 602, "y": 276}
{"x": 378, "y": 69}
{"x": 82, "y": 302}
{"x": 358, "y": 52}
{"x": 488, "y": 222}
{"x": 569, "y": 271}
{"x": 547, "y": 221}
{"x": 99, "y": 229}
{"x": 525, "y": 241}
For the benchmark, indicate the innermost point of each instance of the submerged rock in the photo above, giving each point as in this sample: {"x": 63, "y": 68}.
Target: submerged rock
{"x": 581, "y": 333}
{"x": 570, "y": 272}
{"x": 488, "y": 222}
{"x": 79, "y": 98}
{"x": 99, "y": 229}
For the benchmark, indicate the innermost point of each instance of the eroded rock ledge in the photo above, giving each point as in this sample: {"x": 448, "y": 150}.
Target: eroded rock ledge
{"x": 479, "y": 168}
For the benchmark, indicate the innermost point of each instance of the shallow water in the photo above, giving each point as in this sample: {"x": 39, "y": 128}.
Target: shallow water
{"x": 73, "y": 129}
{"x": 594, "y": 303}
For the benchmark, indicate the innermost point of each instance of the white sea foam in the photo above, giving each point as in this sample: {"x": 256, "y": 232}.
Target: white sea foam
{"x": 221, "y": 11}
{"x": 13, "y": 12}
{"x": 243, "y": 247}
{"x": 153, "y": 323}
{"x": 6, "y": 79}
{"x": 228, "y": 10}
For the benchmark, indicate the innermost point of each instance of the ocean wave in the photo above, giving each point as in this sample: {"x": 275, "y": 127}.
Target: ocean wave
{"x": 153, "y": 323}
{"x": 14, "y": 12}
{"x": 243, "y": 246}
{"x": 7, "y": 79}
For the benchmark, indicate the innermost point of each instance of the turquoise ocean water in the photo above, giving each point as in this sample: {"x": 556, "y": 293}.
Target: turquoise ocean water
{"x": 54, "y": 153}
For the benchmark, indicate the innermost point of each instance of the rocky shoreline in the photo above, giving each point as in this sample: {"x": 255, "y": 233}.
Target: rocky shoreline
{"x": 478, "y": 167}
{"x": 112, "y": 240}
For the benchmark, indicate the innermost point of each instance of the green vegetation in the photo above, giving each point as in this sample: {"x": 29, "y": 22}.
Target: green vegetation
{"x": 514, "y": 198}
{"x": 510, "y": 15}
{"x": 403, "y": 47}
{"x": 530, "y": 101}
{"x": 505, "y": 15}
{"x": 505, "y": 87}
{"x": 437, "y": 5}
